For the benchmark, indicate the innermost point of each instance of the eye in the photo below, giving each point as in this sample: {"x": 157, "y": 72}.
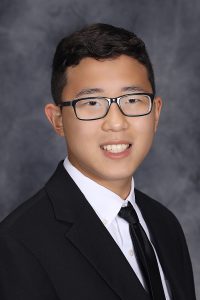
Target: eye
{"x": 132, "y": 100}
{"x": 92, "y": 103}
{"x": 87, "y": 102}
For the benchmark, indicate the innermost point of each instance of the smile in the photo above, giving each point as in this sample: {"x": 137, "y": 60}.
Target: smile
{"x": 116, "y": 148}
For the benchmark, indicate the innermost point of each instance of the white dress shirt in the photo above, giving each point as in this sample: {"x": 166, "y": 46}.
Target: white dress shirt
{"x": 107, "y": 205}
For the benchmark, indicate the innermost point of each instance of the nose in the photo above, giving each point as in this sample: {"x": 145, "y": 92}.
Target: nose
{"x": 115, "y": 120}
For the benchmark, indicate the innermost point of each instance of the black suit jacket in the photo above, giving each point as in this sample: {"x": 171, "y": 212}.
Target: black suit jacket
{"x": 55, "y": 247}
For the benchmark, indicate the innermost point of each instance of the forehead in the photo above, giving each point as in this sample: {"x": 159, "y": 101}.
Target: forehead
{"x": 109, "y": 75}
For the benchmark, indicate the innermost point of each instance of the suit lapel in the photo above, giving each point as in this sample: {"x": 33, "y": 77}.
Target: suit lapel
{"x": 96, "y": 244}
{"x": 91, "y": 238}
{"x": 163, "y": 242}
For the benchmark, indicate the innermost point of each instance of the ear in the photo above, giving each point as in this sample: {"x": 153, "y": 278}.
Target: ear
{"x": 157, "y": 110}
{"x": 54, "y": 115}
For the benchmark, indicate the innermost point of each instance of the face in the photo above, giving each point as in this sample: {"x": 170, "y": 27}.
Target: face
{"x": 90, "y": 143}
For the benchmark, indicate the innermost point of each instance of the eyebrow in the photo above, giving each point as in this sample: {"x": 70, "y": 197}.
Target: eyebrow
{"x": 90, "y": 91}
{"x": 132, "y": 88}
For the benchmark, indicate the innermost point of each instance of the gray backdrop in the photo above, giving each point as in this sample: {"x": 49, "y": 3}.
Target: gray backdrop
{"x": 29, "y": 149}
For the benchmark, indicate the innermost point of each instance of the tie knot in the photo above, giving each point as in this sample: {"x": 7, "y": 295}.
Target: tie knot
{"x": 128, "y": 213}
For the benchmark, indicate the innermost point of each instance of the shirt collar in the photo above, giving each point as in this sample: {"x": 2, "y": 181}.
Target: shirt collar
{"x": 105, "y": 203}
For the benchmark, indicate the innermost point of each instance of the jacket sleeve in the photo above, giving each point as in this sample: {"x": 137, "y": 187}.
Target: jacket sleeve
{"x": 187, "y": 267}
{"x": 21, "y": 275}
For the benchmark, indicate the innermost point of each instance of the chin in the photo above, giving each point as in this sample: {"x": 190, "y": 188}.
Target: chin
{"x": 116, "y": 175}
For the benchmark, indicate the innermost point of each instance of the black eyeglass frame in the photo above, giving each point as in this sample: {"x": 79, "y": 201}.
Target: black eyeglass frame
{"x": 110, "y": 101}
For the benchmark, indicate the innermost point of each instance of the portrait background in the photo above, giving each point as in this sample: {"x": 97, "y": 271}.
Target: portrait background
{"x": 30, "y": 150}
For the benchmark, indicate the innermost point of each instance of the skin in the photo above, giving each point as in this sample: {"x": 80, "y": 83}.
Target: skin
{"x": 85, "y": 138}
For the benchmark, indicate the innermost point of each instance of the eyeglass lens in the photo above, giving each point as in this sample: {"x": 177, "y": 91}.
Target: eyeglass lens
{"x": 131, "y": 105}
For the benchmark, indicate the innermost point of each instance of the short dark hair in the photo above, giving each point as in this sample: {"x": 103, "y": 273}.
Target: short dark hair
{"x": 99, "y": 41}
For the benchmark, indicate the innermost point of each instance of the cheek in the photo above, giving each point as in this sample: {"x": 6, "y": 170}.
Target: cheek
{"x": 144, "y": 129}
{"x": 78, "y": 133}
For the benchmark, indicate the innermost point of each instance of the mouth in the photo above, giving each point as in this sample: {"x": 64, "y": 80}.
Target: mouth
{"x": 116, "y": 148}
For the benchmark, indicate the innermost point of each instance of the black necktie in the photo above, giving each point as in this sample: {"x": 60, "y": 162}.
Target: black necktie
{"x": 144, "y": 253}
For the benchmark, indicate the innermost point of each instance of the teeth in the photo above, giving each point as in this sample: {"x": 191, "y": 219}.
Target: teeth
{"x": 116, "y": 148}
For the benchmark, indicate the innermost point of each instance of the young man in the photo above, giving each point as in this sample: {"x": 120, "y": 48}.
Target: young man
{"x": 88, "y": 234}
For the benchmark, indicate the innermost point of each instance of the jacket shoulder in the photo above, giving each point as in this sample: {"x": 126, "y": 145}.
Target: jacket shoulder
{"x": 26, "y": 213}
{"x": 157, "y": 212}
{"x": 144, "y": 200}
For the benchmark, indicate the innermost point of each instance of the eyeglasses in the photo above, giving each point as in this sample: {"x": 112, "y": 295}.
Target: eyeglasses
{"x": 94, "y": 108}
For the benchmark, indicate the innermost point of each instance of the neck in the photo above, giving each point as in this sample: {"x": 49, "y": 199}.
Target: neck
{"x": 120, "y": 186}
